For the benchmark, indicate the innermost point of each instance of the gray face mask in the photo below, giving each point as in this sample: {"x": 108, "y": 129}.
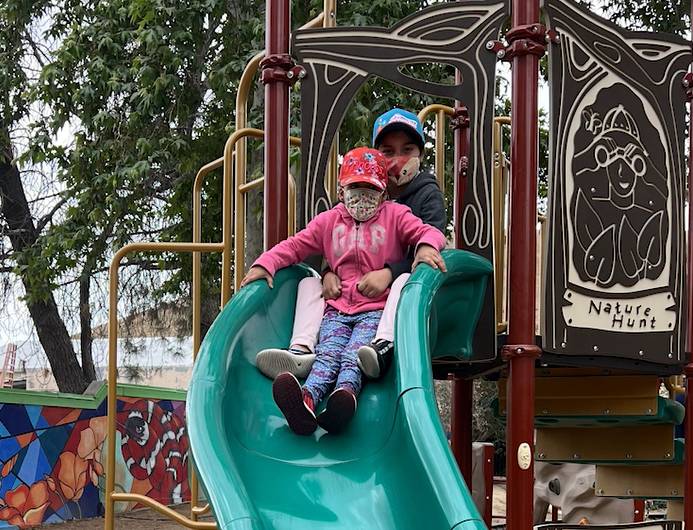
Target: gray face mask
{"x": 362, "y": 203}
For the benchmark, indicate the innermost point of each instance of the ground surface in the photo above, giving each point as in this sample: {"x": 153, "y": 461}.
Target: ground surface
{"x": 140, "y": 519}
{"x": 150, "y": 520}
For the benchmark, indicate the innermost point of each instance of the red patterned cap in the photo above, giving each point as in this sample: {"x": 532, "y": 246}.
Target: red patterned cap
{"x": 366, "y": 165}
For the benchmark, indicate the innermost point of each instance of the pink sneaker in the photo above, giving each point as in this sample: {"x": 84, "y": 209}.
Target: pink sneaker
{"x": 290, "y": 398}
{"x": 340, "y": 408}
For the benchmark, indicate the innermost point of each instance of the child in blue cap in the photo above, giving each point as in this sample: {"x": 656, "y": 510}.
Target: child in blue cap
{"x": 398, "y": 134}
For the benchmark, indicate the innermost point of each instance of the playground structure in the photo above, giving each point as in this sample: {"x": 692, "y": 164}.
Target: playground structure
{"x": 616, "y": 312}
{"x": 8, "y": 365}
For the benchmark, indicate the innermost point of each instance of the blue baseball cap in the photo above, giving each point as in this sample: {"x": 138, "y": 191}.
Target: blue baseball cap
{"x": 399, "y": 120}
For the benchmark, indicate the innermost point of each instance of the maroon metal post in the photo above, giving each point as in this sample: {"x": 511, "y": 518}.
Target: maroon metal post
{"x": 688, "y": 370}
{"x": 688, "y": 419}
{"x": 462, "y": 390}
{"x": 638, "y": 510}
{"x": 461, "y": 426}
{"x": 489, "y": 454}
{"x": 276, "y": 65}
{"x": 526, "y": 45}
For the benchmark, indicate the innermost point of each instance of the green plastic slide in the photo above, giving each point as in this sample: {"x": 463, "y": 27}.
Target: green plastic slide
{"x": 391, "y": 469}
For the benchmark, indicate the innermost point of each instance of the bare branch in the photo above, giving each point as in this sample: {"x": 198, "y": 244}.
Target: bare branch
{"x": 39, "y": 55}
{"x": 41, "y": 224}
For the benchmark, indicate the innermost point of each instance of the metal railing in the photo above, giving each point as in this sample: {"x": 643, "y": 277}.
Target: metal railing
{"x": 441, "y": 112}
{"x": 501, "y": 192}
{"x": 242, "y": 187}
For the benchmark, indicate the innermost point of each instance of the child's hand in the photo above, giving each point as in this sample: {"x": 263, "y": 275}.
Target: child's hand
{"x": 257, "y": 273}
{"x": 429, "y": 255}
{"x": 331, "y": 286}
{"x": 375, "y": 283}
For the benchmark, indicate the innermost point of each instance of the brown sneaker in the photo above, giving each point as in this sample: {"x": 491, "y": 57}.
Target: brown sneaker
{"x": 289, "y": 397}
{"x": 340, "y": 408}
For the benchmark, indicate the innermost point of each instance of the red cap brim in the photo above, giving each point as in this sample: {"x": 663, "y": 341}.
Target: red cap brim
{"x": 366, "y": 179}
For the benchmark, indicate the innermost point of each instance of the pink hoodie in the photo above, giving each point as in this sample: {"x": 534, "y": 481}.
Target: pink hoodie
{"x": 353, "y": 249}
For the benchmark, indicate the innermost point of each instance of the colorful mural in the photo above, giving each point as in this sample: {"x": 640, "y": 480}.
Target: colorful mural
{"x": 53, "y": 458}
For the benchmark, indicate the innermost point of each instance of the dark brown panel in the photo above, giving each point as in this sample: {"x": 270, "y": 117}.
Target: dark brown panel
{"x": 616, "y": 248}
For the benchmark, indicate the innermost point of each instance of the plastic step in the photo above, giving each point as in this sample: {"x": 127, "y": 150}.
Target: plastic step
{"x": 665, "y": 411}
{"x": 640, "y": 482}
{"x": 641, "y": 444}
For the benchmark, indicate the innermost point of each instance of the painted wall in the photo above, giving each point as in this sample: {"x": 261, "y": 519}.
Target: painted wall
{"x": 53, "y": 452}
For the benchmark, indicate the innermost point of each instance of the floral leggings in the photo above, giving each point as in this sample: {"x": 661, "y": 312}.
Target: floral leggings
{"x": 341, "y": 336}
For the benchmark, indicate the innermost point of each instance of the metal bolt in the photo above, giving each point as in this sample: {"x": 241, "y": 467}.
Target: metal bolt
{"x": 670, "y": 355}
{"x": 667, "y": 455}
{"x": 331, "y": 14}
{"x": 290, "y": 74}
{"x": 649, "y": 411}
{"x": 606, "y": 412}
{"x": 490, "y": 45}
{"x": 562, "y": 344}
{"x": 576, "y": 456}
{"x": 544, "y": 411}
{"x": 600, "y": 491}
{"x": 651, "y": 203}
{"x": 629, "y": 456}
{"x": 641, "y": 353}
{"x": 686, "y": 83}
{"x": 593, "y": 190}
{"x": 542, "y": 455}
{"x": 500, "y": 54}
{"x": 591, "y": 257}
{"x": 302, "y": 74}
{"x": 557, "y": 39}
{"x": 595, "y": 348}
{"x": 547, "y": 38}
{"x": 629, "y": 492}
{"x": 674, "y": 492}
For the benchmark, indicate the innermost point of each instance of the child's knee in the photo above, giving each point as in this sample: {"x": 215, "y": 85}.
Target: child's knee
{"x": 400, "y": 281}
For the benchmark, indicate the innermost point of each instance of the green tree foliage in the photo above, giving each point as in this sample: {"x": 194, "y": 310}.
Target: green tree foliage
{"x": 668, "y": 16}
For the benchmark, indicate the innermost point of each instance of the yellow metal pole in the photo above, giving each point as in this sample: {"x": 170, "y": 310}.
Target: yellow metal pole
{"x": 440, "y": 149}
{"x": 425, "y": 112}
{"x": 111, "y": 496}
{"x": 238, "y": 216}
{"x": 164, "y": 510}
{"x": 197, "y": 297}
{"x": 499, "y": 201}
{"x": 440, "y": 112}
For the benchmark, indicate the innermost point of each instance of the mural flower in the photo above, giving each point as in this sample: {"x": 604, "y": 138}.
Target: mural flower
{"x": 90, "y": 446}
{"x": 91, "y": 439}
{"x": 72, "y": 475}
{"x": 24, "y": 506}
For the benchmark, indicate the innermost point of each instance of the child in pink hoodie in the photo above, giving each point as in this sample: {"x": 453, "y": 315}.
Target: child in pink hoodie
{"x": 357, "y": 236}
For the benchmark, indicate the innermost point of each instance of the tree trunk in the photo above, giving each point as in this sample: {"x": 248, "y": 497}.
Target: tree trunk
{"x": 85, "y": 338}
{"x": 50, "y": 328}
